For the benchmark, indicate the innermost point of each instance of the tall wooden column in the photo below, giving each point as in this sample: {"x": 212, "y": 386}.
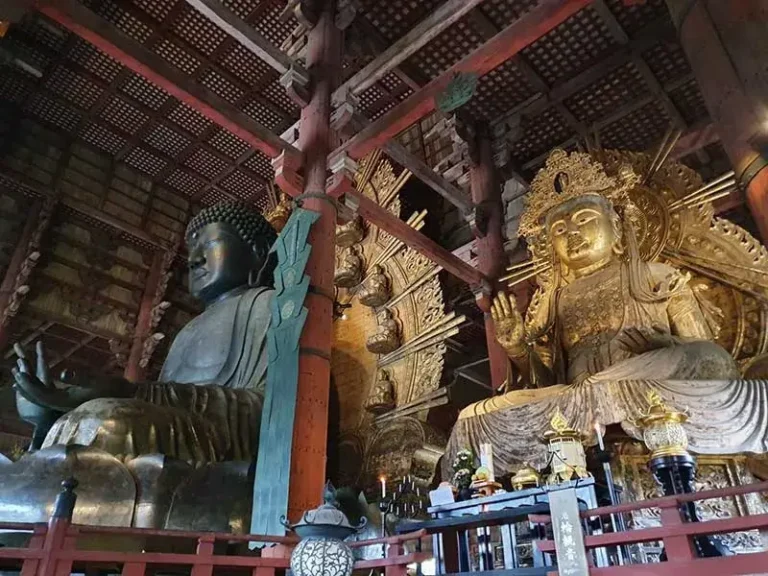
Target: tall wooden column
{"x": 487, "y": 226}
{"x": 19, "y": 258}
{"x": 726, "y": 44}
{"x": 316, "y": 140}
{"x": 149, "y": 315}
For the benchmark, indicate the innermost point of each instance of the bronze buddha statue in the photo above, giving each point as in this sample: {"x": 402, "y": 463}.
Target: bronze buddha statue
{"x": 375, "y": 290}
{"x": 387, "y": 337}
{"x": 206, "y": 406}
{"x": 604, "y": 327}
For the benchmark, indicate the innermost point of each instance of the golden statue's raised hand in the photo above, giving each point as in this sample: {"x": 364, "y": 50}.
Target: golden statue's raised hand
{"x": 508, "y": 323}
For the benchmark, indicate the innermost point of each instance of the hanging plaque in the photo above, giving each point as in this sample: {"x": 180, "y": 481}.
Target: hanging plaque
{"x": 459, "y": 91}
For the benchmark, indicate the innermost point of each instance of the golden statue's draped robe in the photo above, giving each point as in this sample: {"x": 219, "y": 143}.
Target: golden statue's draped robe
{"x": 610, "y": 384}
{"x": 207, "y": 406}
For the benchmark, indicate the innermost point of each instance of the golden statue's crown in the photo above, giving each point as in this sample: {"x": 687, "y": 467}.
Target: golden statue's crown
{"x": 567, "y": 176}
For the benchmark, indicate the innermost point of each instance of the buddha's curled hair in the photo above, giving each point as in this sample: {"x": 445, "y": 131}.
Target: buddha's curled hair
{"x": 249, "y": 224}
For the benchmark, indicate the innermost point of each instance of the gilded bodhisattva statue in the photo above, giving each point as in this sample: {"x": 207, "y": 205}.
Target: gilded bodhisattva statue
{"x": 604, "y": 326}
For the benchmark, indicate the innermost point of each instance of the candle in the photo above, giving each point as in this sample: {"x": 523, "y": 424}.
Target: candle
{"x": 383, "y": 480}
{"x": 599, "y": 433}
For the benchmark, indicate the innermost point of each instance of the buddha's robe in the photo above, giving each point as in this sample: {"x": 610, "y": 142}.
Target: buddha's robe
{"x": 610, "y": 384}
{"x": 207, "y": 405}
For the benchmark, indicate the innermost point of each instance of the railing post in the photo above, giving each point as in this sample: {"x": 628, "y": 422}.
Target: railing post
{"x": 36, "y": 542}
{"x": 204, "y": 549}
{"x": 58, "y": 527}
{"x": 395, "y": 549}
{"x": 678, "y": 548}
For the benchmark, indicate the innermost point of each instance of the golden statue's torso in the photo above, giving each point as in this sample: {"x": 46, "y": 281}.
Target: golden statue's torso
{"x": 591, "y": 309}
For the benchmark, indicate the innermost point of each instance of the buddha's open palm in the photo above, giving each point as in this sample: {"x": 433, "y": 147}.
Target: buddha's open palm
{"x": 508, "y": 323}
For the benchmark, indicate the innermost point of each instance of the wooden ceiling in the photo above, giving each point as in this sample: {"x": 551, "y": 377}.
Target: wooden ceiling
{"x": 129, "y": 163}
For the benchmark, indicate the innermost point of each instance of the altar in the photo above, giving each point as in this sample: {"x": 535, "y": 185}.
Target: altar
{"x": 494, "y": 532}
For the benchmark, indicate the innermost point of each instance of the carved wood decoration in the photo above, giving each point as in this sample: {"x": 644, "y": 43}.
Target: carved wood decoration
{"x": 402, "y": 292}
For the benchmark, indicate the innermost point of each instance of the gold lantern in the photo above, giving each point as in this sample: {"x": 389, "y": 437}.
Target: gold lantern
{"x": 566, "y": 451}
{"x": 662, "y": 428}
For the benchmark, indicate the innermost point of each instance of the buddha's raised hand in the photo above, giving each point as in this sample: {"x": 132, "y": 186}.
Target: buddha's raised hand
{"x": 508, "y": 324}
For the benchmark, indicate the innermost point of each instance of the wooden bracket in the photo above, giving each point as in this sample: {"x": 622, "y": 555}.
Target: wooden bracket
{"x": 296, "y": 84}
{"x": 346, "y": 10}
{"x": 345, "y": 118}
{"x": 287, "y": 175}
{"x": 343, "y": 170}
{"x": 307, "y": 12}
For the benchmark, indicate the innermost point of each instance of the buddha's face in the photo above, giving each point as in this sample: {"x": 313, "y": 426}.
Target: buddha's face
{"x": 582, "y": 232}
{"x": 219, "y": 261}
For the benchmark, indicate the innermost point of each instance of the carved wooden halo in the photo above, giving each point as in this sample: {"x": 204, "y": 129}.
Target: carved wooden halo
{"x": 415, "y": 308}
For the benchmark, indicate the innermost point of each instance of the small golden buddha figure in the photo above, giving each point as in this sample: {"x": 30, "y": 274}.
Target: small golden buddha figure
{"x": 350, "y": 233}
{"x": 278, "y": 216}
{"x": 387, "y": 338}
{"x": 349, "y": 271}
{"x": 382, "y": 397}
{"x": 604, "y": 327}
{"x": 375, "y": 290}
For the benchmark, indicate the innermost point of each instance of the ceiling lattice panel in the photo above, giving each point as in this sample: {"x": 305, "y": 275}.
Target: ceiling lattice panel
{"x": 667, "y": 61}
{"x": 639, "y": 130}
{"x": 689, "y": 101}
{"x": 571, "y": 47}
{"x": 635, "y": 16}
{"x": 498, "y": 92}
{"x": 394, "y": 18}
{"x": 540, "y": 135}
{"x": 446, "y": 49}
{"x": 502, "y": 13}
{"x": 604, "y": 97}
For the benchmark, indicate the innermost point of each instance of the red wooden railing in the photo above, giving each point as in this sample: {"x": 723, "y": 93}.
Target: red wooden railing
{"x": 676, "y": 536}
{"x": 59, "y": 548}
{"x": 56, "y": 549}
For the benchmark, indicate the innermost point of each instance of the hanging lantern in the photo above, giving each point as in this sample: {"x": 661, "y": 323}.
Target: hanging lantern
{"x": 566, "y": 451}
{"x": 662, "y": 428}
{"x": 322, "y": 551}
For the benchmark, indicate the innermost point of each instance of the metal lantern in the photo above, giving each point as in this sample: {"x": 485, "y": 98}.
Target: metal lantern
{"x": 566, "y": 451}
{"x": 662, "y": 427}
{"x": 322, "y": 551}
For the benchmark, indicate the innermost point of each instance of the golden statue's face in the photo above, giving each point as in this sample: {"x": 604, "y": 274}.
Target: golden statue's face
{"x": 582, "y": 233}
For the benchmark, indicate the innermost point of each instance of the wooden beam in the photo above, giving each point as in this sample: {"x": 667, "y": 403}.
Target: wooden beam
{"x": 621, "y": 37}
{"x": 694, "y": 140}
{"x": 385, "y": 220}
{"x": 419, "y": 36}
{"x": 244, "y": 33}
{"x": 532, "y": 26}
{"x": 107, "y": 38}
{"x": 84, "y": 209}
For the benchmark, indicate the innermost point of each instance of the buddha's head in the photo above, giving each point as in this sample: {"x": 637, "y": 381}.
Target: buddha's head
{"x": 585, "y": 232}
{"x": 229, "y": 245}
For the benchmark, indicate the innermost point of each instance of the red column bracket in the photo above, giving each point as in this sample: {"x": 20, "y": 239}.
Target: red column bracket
{"x": 287, "y": 175}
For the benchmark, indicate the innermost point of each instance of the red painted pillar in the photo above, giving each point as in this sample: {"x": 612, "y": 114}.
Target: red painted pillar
{"x": 726, "y": 45}
{"x": 489, "y": 242}
{"x": 316, "y": 140}
{"x": 133, "y": 369}
{"x": 20, "y": 254}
